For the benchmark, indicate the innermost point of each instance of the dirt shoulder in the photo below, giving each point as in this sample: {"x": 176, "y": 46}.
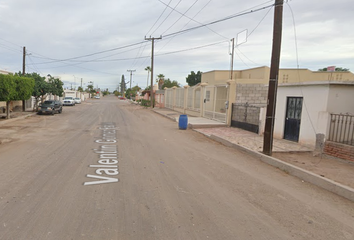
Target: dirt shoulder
{"x": 335, "y": 169}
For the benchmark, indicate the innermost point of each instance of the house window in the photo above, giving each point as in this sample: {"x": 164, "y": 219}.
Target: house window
{"x": 207, "y": 96}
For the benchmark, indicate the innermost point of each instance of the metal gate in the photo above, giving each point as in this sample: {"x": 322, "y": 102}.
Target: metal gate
{"x": 215, "y": 98}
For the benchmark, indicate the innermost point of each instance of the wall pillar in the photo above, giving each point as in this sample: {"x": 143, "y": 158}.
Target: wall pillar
{"x": 174, "y": 97}
{"x": 231, "y": 89}
{"x": 202, "y": 98}
{"x": 185, "y": 102}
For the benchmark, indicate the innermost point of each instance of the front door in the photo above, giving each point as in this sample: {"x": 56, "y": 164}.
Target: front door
{"x": 293, "y": 118}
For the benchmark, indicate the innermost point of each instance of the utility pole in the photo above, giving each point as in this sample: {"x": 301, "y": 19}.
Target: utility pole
{"x": 232, "y": 57}
{"x": 273, "y": 78}
{"x": 131, "y": 74}
{"x": 24, "y": 61}
{"x": 152, "y": 69}
{"x": 23, "y": 74}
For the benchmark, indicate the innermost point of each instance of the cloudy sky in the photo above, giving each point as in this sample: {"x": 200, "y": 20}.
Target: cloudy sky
{"x": 99, "y": 40}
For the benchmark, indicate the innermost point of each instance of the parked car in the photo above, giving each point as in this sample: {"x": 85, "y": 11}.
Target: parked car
{"x": 97, "y": 97}
{"x": 77, "y": 100}
{"x": 50, "y": 107}
{"x": 68, "y": 101}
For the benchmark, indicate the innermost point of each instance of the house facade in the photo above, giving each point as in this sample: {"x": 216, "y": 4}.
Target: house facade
{"x": 305, "y": 101}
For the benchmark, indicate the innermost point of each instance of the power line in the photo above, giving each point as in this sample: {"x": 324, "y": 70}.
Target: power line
{"x": 88, "y": 55}
{"x": 134, "y": 44}
{"x": 11, "y": 42}
{"x": 170, "y": 39}
{"x": 10, "y": 48}
{"x": 173, "y": 9}
{"x": 158, "y": 18}
{"x": 180, "y": 17}
{"x": 166, "y": 31}
{"x": 220, "y": 20}
{"x": 202, "y": 25}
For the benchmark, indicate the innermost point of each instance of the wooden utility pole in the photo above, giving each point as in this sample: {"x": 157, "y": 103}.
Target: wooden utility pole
{"x": 24, "y": 61}
{"x": 131, "y": 74}
{"x": 232, "y": 58}
{"x": 273, "y": 78}
{"x": 23, "y": 74}
{"x": 152, "y": 70}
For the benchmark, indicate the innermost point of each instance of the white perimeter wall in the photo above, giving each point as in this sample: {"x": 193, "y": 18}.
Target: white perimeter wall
{"x": 341, "y": 99}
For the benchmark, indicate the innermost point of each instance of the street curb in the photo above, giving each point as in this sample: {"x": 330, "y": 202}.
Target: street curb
{"x": 16, "y": 118}
{"x": 327, "y": 184}
{"x": 163, "y": 115}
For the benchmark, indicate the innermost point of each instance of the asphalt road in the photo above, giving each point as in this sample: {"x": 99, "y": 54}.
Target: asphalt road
{"x": 107, "y": 169}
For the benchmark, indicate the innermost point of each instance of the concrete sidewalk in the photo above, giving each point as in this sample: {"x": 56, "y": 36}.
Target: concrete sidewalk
{"x": 193, "y": 122}
{"x": 249, "y": 140}
{"x": 16, "y": 116}
{"x": 253, "y": 144}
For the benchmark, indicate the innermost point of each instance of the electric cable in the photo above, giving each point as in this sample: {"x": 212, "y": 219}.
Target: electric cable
{"x": 10, "y": 48}
{"x": 166, "y": 36}
{"x": 180, "y": 17}
{"x": 158, "y": 18}
{"x": 298, "y": 67}
{"x": 202, "y": 25}
{"x": 91, "y": 54}
{"x": 173, "y": 9}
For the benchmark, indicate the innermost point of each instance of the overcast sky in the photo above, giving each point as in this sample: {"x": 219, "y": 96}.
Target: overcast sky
{"x": 99, "y": 40}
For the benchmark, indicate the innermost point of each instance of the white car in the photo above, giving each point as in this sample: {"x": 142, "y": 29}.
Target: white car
{"x": 97, "y": 97}
{"x": 68, "y": 101}
{"x": 77, "y": 100}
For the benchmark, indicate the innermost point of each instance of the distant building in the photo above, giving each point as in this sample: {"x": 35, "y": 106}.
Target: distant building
{"x": 5, "y": 72}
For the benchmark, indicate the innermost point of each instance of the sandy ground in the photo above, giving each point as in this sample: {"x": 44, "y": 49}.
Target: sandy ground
{"x": 338, "y": 170}
{"x": 172, "y": 184}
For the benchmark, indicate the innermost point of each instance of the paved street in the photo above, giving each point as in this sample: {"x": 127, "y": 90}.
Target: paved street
{"x": 107, "y": 169}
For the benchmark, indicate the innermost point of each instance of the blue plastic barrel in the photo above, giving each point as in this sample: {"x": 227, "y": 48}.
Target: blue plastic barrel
{"x": 183, "y": 122}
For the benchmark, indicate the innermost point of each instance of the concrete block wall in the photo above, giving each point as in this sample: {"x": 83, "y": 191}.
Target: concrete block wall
{"x": 339, "y": 150}
{"x": 253, "y": 94}
{"x": 239, "y": 112}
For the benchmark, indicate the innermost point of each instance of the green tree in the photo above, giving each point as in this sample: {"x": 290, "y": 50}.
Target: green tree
{"x": 123, "y": 86}
{"x": 7, "y": 91}
{"x": 41, "y": 88}
{"x": 131, "y": 92}
{"x": 194, "y": 78}
{"x": 148, "y": 69}
{"x": 160, "y": 81}
{"x": 56, "y": 86}
{"x": 105, "y": 92}
{"x": 337, "y": 69}
{"x": 90, "y": 89}
{"x": 24, "y": 87}
{"x": 169, "y": 84}
{"x": 14, "y": 88}
{"x": 116, "y": 93}
{"x": 80, "y": 89}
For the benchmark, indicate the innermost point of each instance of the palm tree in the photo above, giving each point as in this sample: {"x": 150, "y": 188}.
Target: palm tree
{"x": 149, "y": 70}
{"x": 160, "y": 80}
